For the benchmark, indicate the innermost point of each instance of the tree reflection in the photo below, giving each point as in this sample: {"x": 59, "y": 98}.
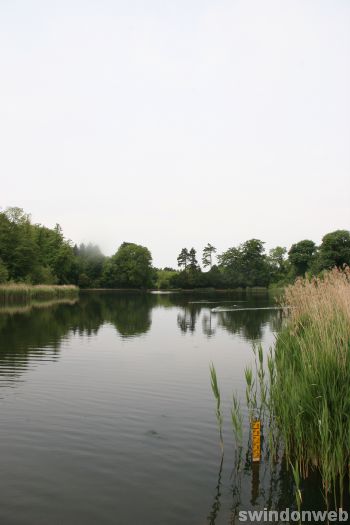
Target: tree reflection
{"x": 247, "y": 323}
{"x": 129, "y": 313}
{"x": 41, "y": 327}
{"x": 187, "y": 319}
{"x": 208, "y": 325}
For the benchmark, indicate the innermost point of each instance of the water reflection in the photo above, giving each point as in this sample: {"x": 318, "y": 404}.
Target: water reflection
{"x": 249, "y": 326}
{"x": 187, "y": 319}
{"x": 265, "y": 485}
{"x": 129, "y": 313}
{"x": 257, "y": 486}
{"x": 108, "y": 400}
{"x": 215, "y": 508}
{"x": 46, "y": 324}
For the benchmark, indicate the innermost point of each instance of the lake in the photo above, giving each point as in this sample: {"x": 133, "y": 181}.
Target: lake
{"x": 107, "y": 414}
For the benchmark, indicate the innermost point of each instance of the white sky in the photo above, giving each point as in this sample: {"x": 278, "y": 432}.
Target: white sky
{"x": 172, "y": 123}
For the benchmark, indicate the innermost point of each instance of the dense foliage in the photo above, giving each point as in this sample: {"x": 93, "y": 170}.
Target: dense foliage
{"x": 35, "y": 254}
{"x": 130, "y": 267}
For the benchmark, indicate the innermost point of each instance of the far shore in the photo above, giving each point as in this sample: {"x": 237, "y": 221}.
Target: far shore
{"x": 180, "y": 290}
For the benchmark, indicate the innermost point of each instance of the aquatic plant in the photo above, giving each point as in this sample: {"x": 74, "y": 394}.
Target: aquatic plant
{"x": 237, "y": 420}
{"x": 296, "y": 476}
{"x": 250, "y": 392}
{"x": 310, "y": 377}
{"x": 303, "y": 386}
{"x": 216, "y": 392}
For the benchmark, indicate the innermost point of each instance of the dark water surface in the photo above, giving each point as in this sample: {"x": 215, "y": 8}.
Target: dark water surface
{"x": 107, "y": 415}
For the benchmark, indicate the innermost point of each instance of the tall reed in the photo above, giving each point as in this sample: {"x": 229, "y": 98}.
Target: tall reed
{"x": 217, "y": 395}
{"x": 309, "y": 393}
{"x": 25, "y": 292}
{"x": 302, "y": 393}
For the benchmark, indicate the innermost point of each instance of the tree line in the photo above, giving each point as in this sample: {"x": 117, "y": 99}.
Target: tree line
{"x": 36, "y": 254}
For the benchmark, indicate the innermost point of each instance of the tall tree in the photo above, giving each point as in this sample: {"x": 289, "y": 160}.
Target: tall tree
{"x": 334, "y": 250}
{"x": 33, "y": 253}
{"x": 208, "y": 253}
{"x": 245, "y": 265}
{"x": 231, "y": 266}
{"x": 193, "y": 263}
{"x": 277, "y": 262}
{"x": 301, "y": 256}
{"x": 130, "y": 267}
{"x": 254, "y": 263}
{"x": 183, "y": 258}
{"x": 18, "y": 248}
{"x": 277, "y": 257}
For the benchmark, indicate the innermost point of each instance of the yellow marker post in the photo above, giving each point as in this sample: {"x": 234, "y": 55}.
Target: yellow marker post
{"x": 256, "y": 427}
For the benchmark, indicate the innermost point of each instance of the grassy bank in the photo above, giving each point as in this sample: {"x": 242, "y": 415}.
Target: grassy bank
{"x": 26, "y": 292}
{"x": 309, "y": 399}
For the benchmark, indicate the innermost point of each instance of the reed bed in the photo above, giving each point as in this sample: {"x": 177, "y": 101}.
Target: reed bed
{"x": 309, "y": 395}
{"x": 26, "y": 292}
{"x": 301, "y": 391}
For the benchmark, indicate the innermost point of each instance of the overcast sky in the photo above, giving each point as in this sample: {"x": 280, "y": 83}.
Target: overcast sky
{"x": 172, "y": 123}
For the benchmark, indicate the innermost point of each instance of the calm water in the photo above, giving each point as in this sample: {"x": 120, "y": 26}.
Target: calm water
{"x": 107, "y": 416}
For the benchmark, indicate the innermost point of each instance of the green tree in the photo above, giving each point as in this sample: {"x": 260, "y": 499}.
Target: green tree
{"x": 18, "y": 248}
{"x": 208, "y": 253}
{"x": 56, "y": 254}
{"x": 301, "y": 256}
{"x": 245, "y": 265}
{"x": 191, "y": 276}
{"x": 164, "y": 278}
{"x": 188, "y": 279}
{"x": 43, "y": 275}
{"x": 334, "y": 250}
{"x": 33, "y": 253}
{"x": 90, "y": 264}
{"x": 130, "y": 267}
{"x": 278, "y": 263}
{"x": 255, "y": 266}
{"x": 183, "y": 258}
{"x": 193, "y": 263}
{"x": 4, "y": 274}
{"x": 213, "y": 278}
{"x": 277, "y": 258}
{"x": 65, "y": 264}
{"x": 231, "y": 265}
{"x": 17, "y": 215}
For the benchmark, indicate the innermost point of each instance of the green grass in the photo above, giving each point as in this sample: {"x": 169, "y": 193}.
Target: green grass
{"x": 25, "y": 292}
